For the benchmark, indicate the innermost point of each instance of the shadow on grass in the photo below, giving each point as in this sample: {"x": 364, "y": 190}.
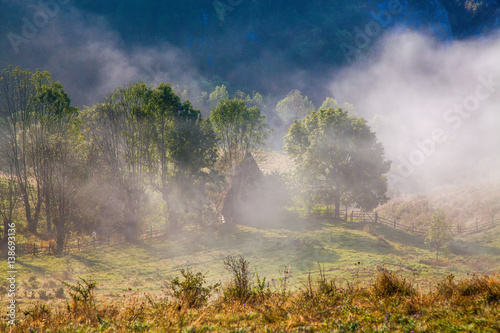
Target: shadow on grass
{"x": 90, "y": 263}
{"x": 359, "y": 243}
{"x": 33, "y": 268}
{"x": 390, "y": 234}
{"x": 289, "y": 221}
{"x": 461, "y": 247}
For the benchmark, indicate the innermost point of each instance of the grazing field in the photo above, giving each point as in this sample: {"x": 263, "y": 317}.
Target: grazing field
{"x": 132, "y": 278}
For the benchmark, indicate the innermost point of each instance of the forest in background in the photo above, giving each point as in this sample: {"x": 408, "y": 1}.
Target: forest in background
{"x": 236, "y": 43}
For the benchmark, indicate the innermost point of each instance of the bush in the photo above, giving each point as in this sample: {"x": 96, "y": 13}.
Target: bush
{"x": 39, "y": 312}
{"x": 240, "y": 287}
{"x": 389, "y": 284}
{"x": 486, "y": 287}
{"x": 191, "y": 289}
{"x": 82, "y": 298}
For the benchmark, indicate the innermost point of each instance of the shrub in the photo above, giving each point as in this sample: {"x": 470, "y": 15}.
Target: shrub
{"x": 485, "y": 286}
{"x": 389, "y": 284}
{"x": 38, "y": 312}
{"x": 191, "y": 289}
{"x": 82, "y": 298}
{"x": 240, "y": 286}
{"x": 447, "y": 287}
{"x": 481, "y": 286}
{"x": 322, "y": 287}
{"x": 34, "y": 282}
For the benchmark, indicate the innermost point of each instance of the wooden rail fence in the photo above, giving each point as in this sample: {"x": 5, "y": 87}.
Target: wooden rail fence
{"x": 355, "y": 216}
{"x": 361, "y": 216}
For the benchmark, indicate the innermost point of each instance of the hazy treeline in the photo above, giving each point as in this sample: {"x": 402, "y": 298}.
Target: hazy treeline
{"x": 146, "y": 155}
{"x": 295, "y": 43}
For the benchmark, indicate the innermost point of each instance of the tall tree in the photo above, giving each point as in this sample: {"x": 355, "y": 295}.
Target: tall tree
{"x": 31, "y": 107}
{"x": 219, "y": 94}
{"x": 239, "y": 129}
{"x": 294, "y": 106}
{"x": 55, "y": 139}
{"x": 148, "y": 138}
{"x": 17, "y": 105}
{"x": 122, "y": 131}
{"x": 9, "y": 198}
{"x": 338, "y": 158}
{"x": 186, "y": 146}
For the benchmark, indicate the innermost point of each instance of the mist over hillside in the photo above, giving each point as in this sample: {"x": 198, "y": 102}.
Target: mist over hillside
{"x": 271, "y": 46}
{"x": 250, "y": 165}
{"x": 403, "y": 64}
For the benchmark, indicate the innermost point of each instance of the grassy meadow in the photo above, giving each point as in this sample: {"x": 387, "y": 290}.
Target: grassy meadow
{"x": 297, "y": 260}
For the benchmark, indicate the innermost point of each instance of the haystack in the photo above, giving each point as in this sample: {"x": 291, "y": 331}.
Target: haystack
{"x": 247, "y": 174}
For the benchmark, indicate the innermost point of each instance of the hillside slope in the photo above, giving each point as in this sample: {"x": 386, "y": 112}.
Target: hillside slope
{"x": 464, "y": 205}
{"x": 345, "y": 250}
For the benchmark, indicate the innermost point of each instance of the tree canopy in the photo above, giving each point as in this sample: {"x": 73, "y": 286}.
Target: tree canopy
{"x": 338, "y": 159}
{"x": 239, "y": 129}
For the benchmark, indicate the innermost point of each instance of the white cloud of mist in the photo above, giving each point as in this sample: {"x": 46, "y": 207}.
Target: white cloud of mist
{"x": 412, "y": 84}
{"x": 432, "y": 107}
{"x": 91, "y": 60}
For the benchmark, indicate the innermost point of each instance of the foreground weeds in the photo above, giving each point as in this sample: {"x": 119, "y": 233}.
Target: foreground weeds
{"x": 389, "y": 303}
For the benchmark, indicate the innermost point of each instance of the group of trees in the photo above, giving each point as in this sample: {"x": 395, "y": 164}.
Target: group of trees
{"x": 65, "y": 170}
{"x": 38, "y": 147}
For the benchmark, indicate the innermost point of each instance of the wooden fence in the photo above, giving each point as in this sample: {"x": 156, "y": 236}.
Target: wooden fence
{"x": 354, "y": 216}
{"x": 361, "y": 216}
{"x": 82, "y": 243}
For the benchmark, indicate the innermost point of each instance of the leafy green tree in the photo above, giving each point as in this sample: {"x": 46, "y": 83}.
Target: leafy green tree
{"x": 219, "y": 94}
{"x": 35, "y": 115}
{"x": 148, "y": 138}
{"x": 338, "y": 158}
{"x": 186, "y": 146}
{"x": 438, "y": 232}
{"x": 331, "y": 103}
{"x": 55, "y": 140}
{"x": 294, "y": 106}
{"x": 17, "y": 106}
{"x": 239, "y": 129}
{"x": 120, "y": 132}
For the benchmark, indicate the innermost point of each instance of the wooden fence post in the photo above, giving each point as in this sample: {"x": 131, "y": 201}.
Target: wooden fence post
{"x": 34, "y": 248}
{"x": 352, "y": 215}
{"x": 394, "y": 224}
{"x": 376, "y": 217}
{"x": 78, "y": 244}
{"x": 151, "y": 231}
{"x": 477, "y": 225}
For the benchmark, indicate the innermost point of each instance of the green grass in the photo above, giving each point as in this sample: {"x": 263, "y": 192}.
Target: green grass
{"x": 345, "y": 250}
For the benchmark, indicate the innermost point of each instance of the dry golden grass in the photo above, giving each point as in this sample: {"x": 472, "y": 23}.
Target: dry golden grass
{"x": 388, "y": 303}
